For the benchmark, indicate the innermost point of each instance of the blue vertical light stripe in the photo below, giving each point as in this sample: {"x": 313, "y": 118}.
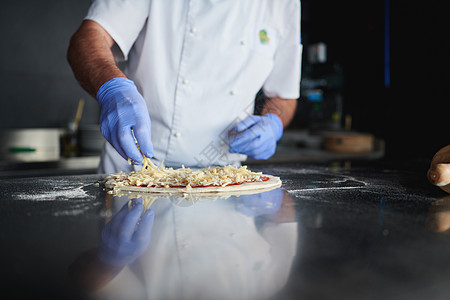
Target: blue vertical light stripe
{"x": 387, "y": 45}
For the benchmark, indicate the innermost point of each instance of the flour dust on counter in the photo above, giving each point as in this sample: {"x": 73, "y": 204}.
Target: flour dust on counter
{"x": 50, "y": 189}
{"x": 314, "y": 179}
{"x": 56, "y": 196}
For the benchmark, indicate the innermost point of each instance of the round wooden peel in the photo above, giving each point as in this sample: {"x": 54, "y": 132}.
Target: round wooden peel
{"x": 439, "y": 172}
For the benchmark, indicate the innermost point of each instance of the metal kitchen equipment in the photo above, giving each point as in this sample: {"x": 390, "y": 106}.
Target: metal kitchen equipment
{"x": 30, "y": 144}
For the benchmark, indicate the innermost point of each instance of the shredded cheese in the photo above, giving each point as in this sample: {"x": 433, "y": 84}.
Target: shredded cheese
{"x": 162, "y": 177}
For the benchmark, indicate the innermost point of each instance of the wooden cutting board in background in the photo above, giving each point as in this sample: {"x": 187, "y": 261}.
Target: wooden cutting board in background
{"x": 348, "y": 141}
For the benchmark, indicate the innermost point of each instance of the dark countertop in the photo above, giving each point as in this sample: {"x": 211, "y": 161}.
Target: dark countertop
{"x": 360, "y": 230}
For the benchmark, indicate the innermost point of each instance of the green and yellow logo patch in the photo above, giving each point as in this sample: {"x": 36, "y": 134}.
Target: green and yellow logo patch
{"x": 263, "y": 37}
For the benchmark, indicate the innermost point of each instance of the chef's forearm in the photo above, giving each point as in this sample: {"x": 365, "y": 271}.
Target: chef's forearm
{"x": 91, "y": 58}
{"x": 283, "y": 108}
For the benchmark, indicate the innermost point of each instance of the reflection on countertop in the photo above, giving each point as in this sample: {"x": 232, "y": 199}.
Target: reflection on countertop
{"x": 235, "y": 248}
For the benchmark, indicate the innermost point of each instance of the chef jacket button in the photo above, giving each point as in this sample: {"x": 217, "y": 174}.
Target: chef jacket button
{"x": 185, "y": 81}
{"x": 177, "y": 134}
{"x": 193, "y": 30}
{"x": 232, "y": 92}
{"x": 242, "y": 43}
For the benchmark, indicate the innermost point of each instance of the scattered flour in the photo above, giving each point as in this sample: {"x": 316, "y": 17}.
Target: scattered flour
{"x": 344, "y": 183}
{"x": 73, "y": 212}
{"x": 323, "y": 189}
{"x": 59, "y": 194}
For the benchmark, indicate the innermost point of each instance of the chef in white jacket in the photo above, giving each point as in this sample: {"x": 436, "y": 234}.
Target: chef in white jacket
{"x": 192, "y": 70}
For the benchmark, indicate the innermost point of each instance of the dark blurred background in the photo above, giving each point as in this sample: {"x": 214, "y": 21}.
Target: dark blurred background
{"x": 37, "y": 84}
{"x": 398, "y": 93}
{"x": 401, "y": 100}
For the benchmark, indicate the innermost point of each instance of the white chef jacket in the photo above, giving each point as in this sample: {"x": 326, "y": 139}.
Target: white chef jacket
{"x": 199, "y": 65}
{"x": 207, "y": 250}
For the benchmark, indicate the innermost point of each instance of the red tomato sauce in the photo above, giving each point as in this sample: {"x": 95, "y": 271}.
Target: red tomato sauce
{"x": 263, "y": 178}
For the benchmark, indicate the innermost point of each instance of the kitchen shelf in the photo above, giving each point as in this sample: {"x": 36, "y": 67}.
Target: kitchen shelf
{"x": 63, "y": 166}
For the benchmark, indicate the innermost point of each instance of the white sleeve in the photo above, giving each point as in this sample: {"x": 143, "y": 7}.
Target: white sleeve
{"x": 122, "y": 19}
{"x": 284, "y": 79}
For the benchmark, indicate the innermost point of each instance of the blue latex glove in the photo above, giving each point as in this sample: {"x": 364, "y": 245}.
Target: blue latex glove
{"x": 122, "y": 109}
{"x": 266, "y": 203}
{"x": 257, "y": 136}
{"x": 126, "y": 236}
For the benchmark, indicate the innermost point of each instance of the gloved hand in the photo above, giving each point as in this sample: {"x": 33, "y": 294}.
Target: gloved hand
{"x": 126, "y": 236}
{"x": 257, "y": 136}
{"x": 265, "y": 203}
{"x": 122, "y": 109}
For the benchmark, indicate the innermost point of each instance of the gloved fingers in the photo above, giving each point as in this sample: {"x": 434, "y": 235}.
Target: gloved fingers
{"x": 264, "y": 151}
{"x": 244, "y": 142}
{"x": 257, "y": 148}
{"x": 252, "y": 198}
{"x": 266, "y": 208}
{"x": 105, "y": 131}
{"x": 106, "y": 232}
{"x": 144, "y": 230}
{"x": 129, "y": 223}
{"x": 245, "y": 137}
{"x": 129, "y": 145}
{"x": 243, "y": 204}
{"x": 245, "y": 210}
{"x": 135, "y": 201}
{"x": 142, "y": 132}
{"x": 114, "y": 141}
{"x": 116, "y": 222}
{"x": 111, "y": 137}
{"x": 265, "y": 199}
{"x": 247, "y": 123}
{"x": 273, "y": 122}
{"x": 264, "y": 203}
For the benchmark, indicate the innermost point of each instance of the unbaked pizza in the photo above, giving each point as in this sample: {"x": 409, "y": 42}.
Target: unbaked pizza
{"x": 153, "y": 179}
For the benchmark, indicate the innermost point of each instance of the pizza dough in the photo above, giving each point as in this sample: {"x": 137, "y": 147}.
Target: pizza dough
{"x": 271, "y": 183}
{"x": 212, "y": 180}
